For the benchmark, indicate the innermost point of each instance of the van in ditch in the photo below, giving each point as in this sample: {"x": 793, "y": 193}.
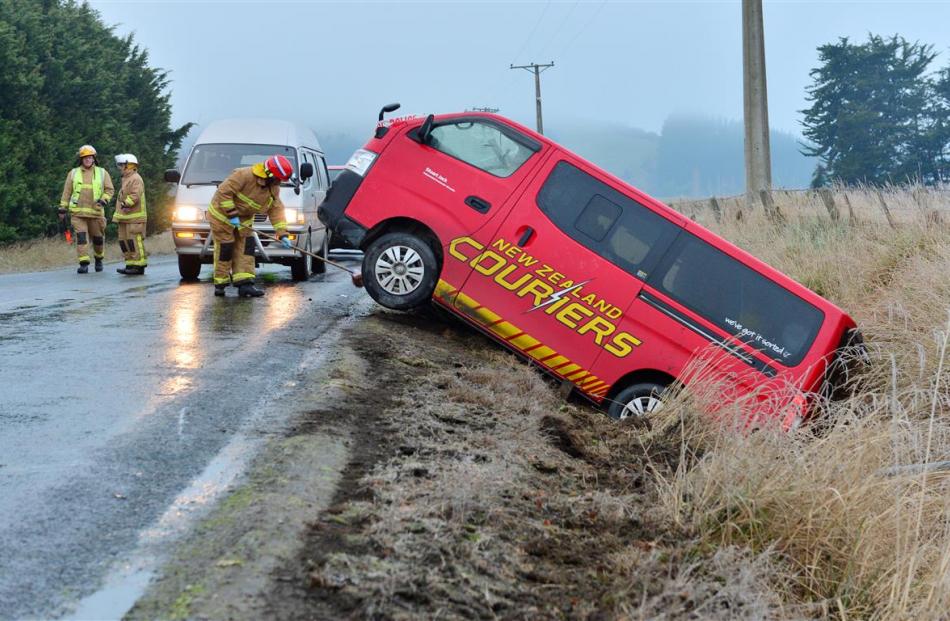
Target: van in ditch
{"x": 602, "y": 286}
{"x": 235, "y": 143}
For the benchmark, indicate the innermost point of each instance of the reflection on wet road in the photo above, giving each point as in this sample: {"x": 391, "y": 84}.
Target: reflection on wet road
{"x": 115, "y": 393}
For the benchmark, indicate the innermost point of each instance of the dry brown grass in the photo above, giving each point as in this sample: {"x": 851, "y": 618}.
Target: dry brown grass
{"x": 50, "y": 253}
{"x": 856, "y": 535}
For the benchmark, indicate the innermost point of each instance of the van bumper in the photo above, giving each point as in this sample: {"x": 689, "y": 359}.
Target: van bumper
{"x": 194, "y": 238}
{"x": 332, "y": 210}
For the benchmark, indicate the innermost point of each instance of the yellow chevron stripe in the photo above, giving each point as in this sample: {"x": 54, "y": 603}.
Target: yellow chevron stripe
{"x": 541, "y": 352}
{"x": 524, "y": 341}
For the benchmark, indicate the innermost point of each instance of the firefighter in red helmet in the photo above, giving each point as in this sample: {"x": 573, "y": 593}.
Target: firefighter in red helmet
{"x": 246, "y": 193}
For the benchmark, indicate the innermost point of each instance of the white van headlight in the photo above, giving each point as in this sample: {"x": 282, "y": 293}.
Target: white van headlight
{"x": 360, "y": 161}
{"x": 186, "y": 213}
{"x": 294, "y": 216}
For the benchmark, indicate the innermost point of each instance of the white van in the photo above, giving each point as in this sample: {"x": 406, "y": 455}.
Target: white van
{"x": 235, "y": 143}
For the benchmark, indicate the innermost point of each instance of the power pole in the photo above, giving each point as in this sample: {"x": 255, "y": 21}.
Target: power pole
{"x": 537, "y": 70}
{"x": 758, "y": 159}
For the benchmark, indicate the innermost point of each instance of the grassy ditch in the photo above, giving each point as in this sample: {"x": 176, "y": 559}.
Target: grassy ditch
{"x": 490, "y": 497}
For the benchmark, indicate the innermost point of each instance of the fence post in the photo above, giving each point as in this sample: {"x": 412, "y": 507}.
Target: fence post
{"x": 829, "y": 200}
{"x": 852, "y": 219}
{"x": 771, "y": 209}
{"x": 716, "y": 209}
{"x": 887, "y": 212}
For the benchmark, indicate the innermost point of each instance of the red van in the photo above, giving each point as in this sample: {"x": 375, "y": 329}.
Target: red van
{"x": 601, "y": 285}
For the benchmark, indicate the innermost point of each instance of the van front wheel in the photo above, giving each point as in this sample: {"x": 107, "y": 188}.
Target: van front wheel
{"x": 400, "y": 271}
{"x": 638, "y": 401}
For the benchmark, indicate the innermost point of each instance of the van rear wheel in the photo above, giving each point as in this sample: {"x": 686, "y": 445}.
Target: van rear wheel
{"x": 319, "y": 267}
{"x": 300, "y": 268}
{"x": 400, "y": 271}
{"x": 638, "y": 401}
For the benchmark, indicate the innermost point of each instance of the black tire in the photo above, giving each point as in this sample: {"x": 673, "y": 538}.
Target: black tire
{"x": 189, "y": 266}
{"x": 300, "y": 268}
{"x": 400, "y": 288}
{"x": 319, "y": 267}
{"x": 638, "y": 400}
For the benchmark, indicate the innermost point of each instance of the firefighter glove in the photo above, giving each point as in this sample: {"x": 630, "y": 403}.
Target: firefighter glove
{"x": 285, "y": 242}
{"x": 235, "y": 221}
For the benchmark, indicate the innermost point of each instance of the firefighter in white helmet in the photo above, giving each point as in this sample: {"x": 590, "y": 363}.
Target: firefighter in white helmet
{"x": 88, "y": 189}
{"x": 131, "y": 216}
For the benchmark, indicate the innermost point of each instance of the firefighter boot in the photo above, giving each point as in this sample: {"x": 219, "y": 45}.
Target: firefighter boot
{"x": 98, "y": 264}
{"x": 248, "y": 290}
{"x": 219, "y": 290}
{"x": 83, "y": 268}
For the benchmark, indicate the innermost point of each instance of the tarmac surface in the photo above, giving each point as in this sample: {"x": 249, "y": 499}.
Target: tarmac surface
{"x": 125, "y": 401}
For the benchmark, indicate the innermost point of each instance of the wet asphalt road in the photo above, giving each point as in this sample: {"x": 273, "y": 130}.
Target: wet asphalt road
{"x": 116, "y": 392}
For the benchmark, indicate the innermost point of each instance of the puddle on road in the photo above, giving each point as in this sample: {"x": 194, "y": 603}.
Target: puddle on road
{"x": 127, "y": 580}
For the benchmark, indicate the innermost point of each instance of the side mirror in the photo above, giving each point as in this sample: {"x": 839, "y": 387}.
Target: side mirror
{"x": 425, "y": 130}
{"x": 388, "y": 108}
{"x": 172, "y": 176}
{"x": 306, "y": 170}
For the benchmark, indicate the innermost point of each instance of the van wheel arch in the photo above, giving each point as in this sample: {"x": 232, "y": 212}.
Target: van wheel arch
{"x": 404, "y": 225}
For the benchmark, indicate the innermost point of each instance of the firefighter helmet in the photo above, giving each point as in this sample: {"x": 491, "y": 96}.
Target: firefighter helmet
{"x": 279, "y": 166}
{"x": 87, "y": 149}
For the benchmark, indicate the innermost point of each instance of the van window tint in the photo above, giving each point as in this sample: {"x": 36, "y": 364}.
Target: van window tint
{"x": 605, "y": 220}
{"x": 738, "y": 299}
{"x": 482, "y": 145}
{"x": 212, "y": 163}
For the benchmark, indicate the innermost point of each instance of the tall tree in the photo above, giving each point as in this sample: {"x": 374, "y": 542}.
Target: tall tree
{"x": 873, "y": 117}
{"x": 66, "y": 79}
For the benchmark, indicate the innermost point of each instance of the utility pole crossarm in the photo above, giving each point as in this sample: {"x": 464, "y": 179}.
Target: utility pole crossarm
{"x": 537, "y": 70}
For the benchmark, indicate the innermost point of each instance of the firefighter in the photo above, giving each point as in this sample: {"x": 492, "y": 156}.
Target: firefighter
{"x": 131, "y": 216}
{"x": 88, "y": 189}
{"x": 245, "y": 193}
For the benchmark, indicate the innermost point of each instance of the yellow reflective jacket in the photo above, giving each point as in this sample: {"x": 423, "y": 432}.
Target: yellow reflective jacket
{"x": 130, "y": 206}
{"x": 83, "y": 189}
{"x": 242, "y": 195}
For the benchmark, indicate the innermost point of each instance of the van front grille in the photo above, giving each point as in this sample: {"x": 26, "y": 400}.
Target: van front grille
{"x": 259, "y": 217}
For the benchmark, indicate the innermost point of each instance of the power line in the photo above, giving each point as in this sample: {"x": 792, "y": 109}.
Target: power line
{"x": 537, "y": 70}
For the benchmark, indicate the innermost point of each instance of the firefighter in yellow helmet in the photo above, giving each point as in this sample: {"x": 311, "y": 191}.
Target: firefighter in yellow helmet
{"x": 245, "y": 193}
{"x": 88, "y": 189}
{"x": 131, "y": 216}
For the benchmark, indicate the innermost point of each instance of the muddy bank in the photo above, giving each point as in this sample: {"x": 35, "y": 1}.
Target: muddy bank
{"x": 475, "y": 491}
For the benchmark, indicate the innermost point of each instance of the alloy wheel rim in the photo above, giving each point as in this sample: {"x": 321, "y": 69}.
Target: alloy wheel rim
{"x": 399, "y": 270}
{"x": 641, "y": 406}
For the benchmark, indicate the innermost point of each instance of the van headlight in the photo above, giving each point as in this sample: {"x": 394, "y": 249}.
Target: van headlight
{"x": 186, "y": 213}
{"x": 360, "y": 161}
{"x": 294, "y": 216}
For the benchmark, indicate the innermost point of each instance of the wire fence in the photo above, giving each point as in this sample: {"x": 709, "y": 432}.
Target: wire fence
{"x": 891, "y": 205}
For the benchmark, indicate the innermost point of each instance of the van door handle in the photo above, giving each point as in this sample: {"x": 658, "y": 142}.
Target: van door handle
{"x": 478, "y": 204}
{"x": 525, "y": 237}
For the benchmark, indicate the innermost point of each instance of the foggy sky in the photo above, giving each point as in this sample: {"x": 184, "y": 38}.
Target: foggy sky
{"x": 332, "y": 65}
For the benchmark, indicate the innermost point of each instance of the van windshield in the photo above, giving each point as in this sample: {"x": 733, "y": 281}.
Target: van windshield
{"x": 212, "y": 163}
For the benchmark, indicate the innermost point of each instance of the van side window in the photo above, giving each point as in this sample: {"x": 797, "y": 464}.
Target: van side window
{"x": 307, "y": 157}
{"x": 321, "y": 170}
{"x": 482, "y": 145}
{"x": 738, "y": 299}
{"x": 610, "y": 223}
